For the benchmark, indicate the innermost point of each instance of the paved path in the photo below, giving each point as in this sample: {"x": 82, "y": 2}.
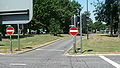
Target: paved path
{"x": 52, "y": 56}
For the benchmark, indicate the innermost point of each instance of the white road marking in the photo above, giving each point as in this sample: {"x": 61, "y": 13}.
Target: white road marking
{"x": 73, "y": 30}
{"x": 2, "y": 54}
{"x": 50, "y": 49}
{"x": 110, "y": 61}
{"x": 17, "y": 64}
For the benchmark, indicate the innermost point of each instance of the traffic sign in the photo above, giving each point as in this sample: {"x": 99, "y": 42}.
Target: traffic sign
{"x": 16, "y": 11}
{"x": 71, "y": 25}
{"x": 10, "y": 30}
{"x": 73, "y": 31}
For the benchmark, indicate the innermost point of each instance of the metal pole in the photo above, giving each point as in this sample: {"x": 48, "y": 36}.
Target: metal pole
{"x": 74, "y": 37}
{"x": 74, "y": 20}
{"x": 81, "y": 49}
{"x": 87, "y": 5}
{"x": 22, "y": 26}
{"x": 74, "y": 45}
{"x": 87, "y": 23}
{"x": 18, "y": 38}
{"x": 10, "y": 44}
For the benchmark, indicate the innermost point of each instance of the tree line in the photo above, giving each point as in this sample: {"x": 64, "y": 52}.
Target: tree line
{"x": 108, "y": 12}
{"x": 53, "y": 15}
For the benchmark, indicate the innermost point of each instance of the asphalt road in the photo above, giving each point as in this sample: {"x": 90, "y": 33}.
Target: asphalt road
{"x": 52, "y": 56}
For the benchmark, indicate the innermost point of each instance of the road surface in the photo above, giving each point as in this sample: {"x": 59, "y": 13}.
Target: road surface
{"x": 52, "y": 56}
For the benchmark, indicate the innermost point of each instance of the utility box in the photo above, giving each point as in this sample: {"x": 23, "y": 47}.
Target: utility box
{"x": 16, "y": 11}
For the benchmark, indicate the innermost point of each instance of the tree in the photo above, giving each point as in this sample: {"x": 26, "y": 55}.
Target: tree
{"x": 2, "y": 30}
{"x": 107, "y": 12}
{"x": 54, "y": 27}
{"x": 87, "y": 22}
{"x": 98, "y": 25}
{"x": 58, "y": 12}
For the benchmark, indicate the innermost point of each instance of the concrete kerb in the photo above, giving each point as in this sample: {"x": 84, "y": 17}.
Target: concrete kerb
{"x": 25, "y": 51}
{"x": 67, "y": 54}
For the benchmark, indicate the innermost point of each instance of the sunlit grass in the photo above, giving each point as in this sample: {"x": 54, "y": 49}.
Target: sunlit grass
{"x": 31, "y": 41}
{"x": 100, "y": 44}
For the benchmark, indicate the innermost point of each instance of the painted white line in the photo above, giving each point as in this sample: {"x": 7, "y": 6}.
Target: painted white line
{"x": 2, "y": 54}
{"x": 66, "y": 54}
{"x": 110, "y": 61}
{"x": 17, "y": 64}
{"x": 50, "y": 49}
{"x": 73, "y": 30}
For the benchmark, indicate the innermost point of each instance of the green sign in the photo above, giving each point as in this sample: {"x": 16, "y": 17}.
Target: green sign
{"x": 41, "y": 30}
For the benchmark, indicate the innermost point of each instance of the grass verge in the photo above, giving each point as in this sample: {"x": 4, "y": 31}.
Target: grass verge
{"x": 28, "y": 42}
{"x": 99, "y": 44}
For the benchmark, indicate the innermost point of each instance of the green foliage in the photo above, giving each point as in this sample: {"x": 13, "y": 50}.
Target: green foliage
{"x": 108, "y": 12}
{"x": 86, "y": 23}
{"x": 54, "y": 27}
{"x": 3, "y": 30}
{"x": 53, "y": 14}
{"x": 98, "y": 25}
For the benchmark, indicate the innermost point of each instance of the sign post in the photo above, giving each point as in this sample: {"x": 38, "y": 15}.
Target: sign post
{"x": 10, "y": 30}
{"x": 81, "y": 48}
{"x": 10, "y": 44}
{"x": 18, "y": 38}
{"x": 74, "y": 32}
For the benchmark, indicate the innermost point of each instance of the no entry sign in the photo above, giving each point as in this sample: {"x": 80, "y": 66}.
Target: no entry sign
{"x": 10, "y": 30}
{"x": 73, "y": 31}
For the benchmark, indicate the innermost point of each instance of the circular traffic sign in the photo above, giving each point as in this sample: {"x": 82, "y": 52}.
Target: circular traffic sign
{"x": 9, "y": 30}
{"x": 73, "y": 30}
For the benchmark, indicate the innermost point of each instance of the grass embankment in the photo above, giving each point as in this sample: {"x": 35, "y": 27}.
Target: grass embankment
{"x": 99, "y": 44}
{"x": 28, "y": 41}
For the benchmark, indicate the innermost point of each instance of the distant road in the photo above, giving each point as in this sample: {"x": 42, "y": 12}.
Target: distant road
{"x": 52, "y": 56}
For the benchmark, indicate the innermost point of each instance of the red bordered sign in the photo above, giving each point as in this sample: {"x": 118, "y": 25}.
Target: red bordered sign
{"x": 9, "y": 30}
{"x": 73, "y": 30}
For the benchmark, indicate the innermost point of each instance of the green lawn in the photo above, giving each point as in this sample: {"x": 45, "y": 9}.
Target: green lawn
{"x": 31, "y": 41}
{"x": 99, "y": 44}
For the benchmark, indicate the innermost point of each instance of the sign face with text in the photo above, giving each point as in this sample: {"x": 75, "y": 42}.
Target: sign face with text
{"x": 16, "y": 11}
{"x": 73, "y": 31}
{"x": 10, "y": 30}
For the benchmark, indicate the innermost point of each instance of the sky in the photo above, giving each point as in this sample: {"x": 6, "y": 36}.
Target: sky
{"x": 90, "y": 7}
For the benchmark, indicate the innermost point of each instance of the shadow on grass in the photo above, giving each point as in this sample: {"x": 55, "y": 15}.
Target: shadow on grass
{"x": 21, "y": 36}
{"x": 110, "y": 35}
{"x": 87, "y": 51}
{"x": 82, "y": 35}
{"x": 2, "y": 45}
{"x": 78, "y": 50}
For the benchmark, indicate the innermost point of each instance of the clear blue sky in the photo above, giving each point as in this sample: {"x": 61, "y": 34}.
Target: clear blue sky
{"x": 91, "y": 7}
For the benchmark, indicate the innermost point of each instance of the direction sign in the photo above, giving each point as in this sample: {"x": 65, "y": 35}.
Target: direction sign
{"x": 16, "y": 11}
{"x": 10, "y": 30}
{"x": 73, "y": 31}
